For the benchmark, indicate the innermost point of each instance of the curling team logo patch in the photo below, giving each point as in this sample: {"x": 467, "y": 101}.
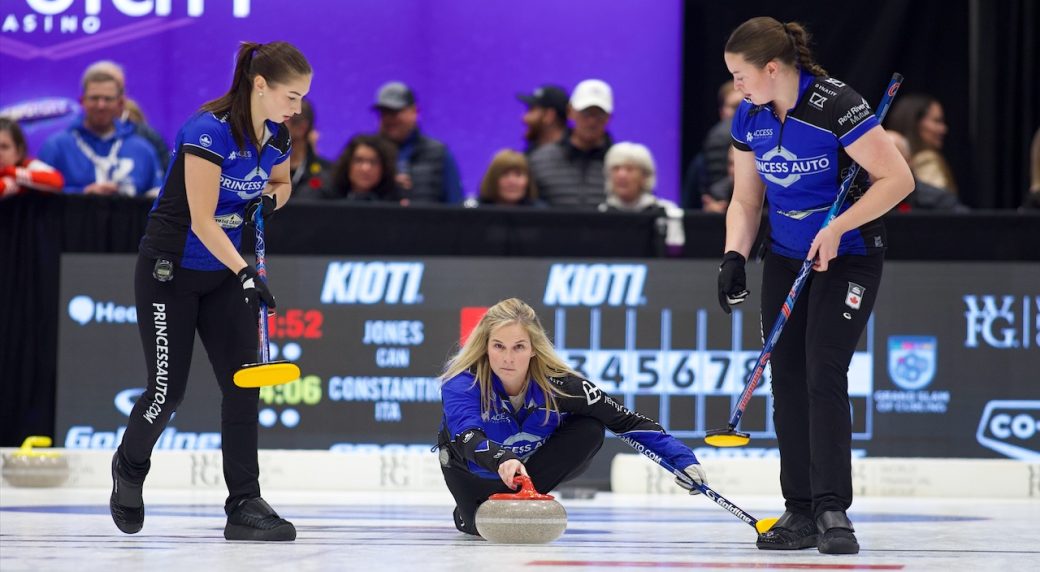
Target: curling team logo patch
{"x": 911, "y": 361}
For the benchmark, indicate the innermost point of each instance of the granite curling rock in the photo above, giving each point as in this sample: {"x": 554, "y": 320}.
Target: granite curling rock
{"x": 27, "y": 467}
{"x": 525, "y": 517}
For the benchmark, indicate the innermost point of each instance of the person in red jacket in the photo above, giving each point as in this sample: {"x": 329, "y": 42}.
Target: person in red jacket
{"x": 18, "y": 172}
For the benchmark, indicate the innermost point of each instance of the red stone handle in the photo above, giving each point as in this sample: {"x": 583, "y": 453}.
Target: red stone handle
{"x": 526, "y": 492}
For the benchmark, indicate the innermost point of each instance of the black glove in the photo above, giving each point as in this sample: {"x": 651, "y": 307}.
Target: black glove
{"x": 265, "y": 202}
{"x": 732, "y": 280}
{"x": 254, "y": 289}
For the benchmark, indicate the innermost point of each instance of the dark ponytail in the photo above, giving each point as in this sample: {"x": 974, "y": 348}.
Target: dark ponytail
{"x": 762, "y": 39}
{"x": 276, "y": 62}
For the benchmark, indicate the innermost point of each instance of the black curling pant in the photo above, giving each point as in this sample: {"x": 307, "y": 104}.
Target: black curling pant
{"x": 809, "y": 366}
{"x": 564, "y": 456}
{"x": 168, "y": 314}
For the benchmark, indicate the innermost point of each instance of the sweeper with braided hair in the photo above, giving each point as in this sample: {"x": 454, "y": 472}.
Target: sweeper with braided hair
{"x": 795, "y": 136}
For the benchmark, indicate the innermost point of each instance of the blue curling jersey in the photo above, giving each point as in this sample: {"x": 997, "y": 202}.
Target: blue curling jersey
{"x": 243, "y": 175}
{"x": 803, "y": 162}
{"x": 521, "y": 432}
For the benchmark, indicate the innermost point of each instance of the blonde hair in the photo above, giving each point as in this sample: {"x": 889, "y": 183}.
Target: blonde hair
{"x": 473, "y": 358}
{"x": 504, "y": 161}
{"x": 628, "y": 153}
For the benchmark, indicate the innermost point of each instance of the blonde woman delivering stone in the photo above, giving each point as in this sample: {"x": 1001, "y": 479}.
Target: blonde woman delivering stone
{"x": 513, "y": 407}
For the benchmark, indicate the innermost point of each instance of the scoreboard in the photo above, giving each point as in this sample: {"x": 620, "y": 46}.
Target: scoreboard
{"x": 371, "y": 337}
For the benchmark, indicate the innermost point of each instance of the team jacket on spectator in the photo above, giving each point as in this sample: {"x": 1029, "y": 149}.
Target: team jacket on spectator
{"x": 27, "y": 175}
{"x": 432, "y": 168}
{"x": 481, "y": 445}
{"x": 802, "y": 162}
{"x": 83, "y": 158}
{"x": 567, "y": 176}
{"x": 243, "y": 176}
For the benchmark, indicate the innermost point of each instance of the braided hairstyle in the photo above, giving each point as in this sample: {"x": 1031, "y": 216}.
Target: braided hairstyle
{"x": 762, "y": 39}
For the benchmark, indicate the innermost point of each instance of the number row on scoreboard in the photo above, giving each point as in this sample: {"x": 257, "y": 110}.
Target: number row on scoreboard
{"x": 683, "y": 372}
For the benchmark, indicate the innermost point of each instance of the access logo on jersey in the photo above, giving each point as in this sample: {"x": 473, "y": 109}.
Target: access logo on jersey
{"x": 911, "y": 361}
{"x": 248, "y": 187}
{"x": 781, "y": 166}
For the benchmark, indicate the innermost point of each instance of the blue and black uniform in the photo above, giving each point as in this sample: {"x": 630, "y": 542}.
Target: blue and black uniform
{"x": 554, "y": 446}
{"x": 181, "y": 287}
{"x": 802, "y": 162}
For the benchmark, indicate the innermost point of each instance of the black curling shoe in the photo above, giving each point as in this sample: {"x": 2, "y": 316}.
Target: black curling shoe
{"x": 254, "y": 519}
{"x": 125, "y": 504}
{"x": 791, "y": 532}
{"x": 836, "y": 533}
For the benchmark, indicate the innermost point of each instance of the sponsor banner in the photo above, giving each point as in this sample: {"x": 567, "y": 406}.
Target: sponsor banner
{"x": 45, "y": 45}
{"x": 945, "y": 367}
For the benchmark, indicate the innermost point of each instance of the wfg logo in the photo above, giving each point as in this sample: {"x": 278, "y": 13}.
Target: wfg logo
{"x": 997, "y": 324}
{"x": 1011, "y": 428}
{"x": 595, "y": 285}
{"x": 372, "y": 283}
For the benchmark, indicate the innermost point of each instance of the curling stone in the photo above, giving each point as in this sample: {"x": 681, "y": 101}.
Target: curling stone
{"x": 27, "y": 467}
{"x": 524, "y": 517}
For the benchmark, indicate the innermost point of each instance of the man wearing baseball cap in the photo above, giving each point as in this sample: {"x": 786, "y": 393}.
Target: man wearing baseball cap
{"x": 546, "y": 116}
{"x": 570, "y": 173}
{"x": 426, "y": 169}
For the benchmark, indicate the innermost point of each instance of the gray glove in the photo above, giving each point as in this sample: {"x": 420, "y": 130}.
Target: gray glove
{"x": 695, "y": 472}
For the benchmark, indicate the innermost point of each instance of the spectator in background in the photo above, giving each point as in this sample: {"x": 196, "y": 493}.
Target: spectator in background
{"x": 570, "y": 173}
{"x": 919, "y": 118}
{"x": 132, "y": 112}
{"x": 365, "y": 171}
{"x": 711, "y": 165}
{"x": 426, "y": 169}
{"x": 19, "y": 173}
{"x": 307, "y": 170}
{"x": 631, "y": 177}
{"x": 546, "y": 116}
{"x": 1033, "y": 198}
{"x": 924, "y": 196}
{"x": 507, "y": 182}
{"x": 716, "y": 200}
{"x": 103, "y": 154}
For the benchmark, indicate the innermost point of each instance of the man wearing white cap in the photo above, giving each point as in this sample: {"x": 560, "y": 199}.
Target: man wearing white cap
{"x": 570, "y": 173}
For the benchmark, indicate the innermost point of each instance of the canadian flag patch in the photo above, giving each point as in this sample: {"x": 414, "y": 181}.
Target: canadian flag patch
{"x": 854, "y": 297}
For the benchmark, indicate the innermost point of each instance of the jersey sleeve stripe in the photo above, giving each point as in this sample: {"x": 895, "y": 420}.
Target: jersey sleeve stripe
{"x": 207, "y": 154}
{"x": 740, "y": 145}
{"x": 858, "y": 131}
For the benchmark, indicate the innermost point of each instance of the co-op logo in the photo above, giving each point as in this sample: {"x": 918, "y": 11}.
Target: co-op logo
{"x": 1002, "y": 322}
{"x": 1011, "y": 428}
{"x": 372, "y": 283}
{"x": 595, "y": 285}
{"x": 49, "y": 16}
{"x": 83, "y": 309}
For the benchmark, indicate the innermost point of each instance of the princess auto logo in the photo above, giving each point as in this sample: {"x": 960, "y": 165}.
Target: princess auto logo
{"x": 911, "y": 361}
{"x": 1011, "y": 428}
{"x": 248, "y": 187}
{"x": 784, "y": 168}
